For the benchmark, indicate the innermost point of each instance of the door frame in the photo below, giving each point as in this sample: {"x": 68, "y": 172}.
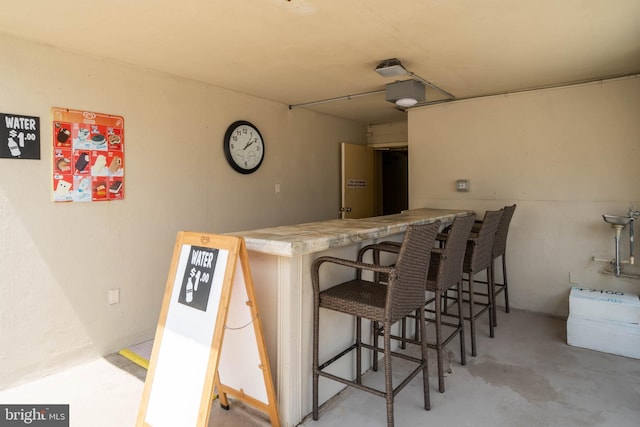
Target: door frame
{"x": 378, "y": 178}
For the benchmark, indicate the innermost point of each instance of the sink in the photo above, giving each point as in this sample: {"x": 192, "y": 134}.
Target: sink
{"x": 616, "y": 220}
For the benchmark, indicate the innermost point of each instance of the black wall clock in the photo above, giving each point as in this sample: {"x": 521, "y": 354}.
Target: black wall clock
{"x": 243, "y": 147}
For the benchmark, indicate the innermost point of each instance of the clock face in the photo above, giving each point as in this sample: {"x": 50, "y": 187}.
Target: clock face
{"x": 244, "y": 147}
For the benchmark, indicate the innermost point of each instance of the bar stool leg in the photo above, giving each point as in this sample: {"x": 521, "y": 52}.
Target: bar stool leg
{"x": 492, "y": 289}
{"x": 418, "y": 323}
{"x": 438, "y": 315}
{"x": 358, "y": 350}
{"x": 425, "y": 370}
{"x": 387, "y": 374}
{"x": 472, "y": 319}
{"x": 375, "y": 327}
{"x": 316, "y": 330}
{"x": 504, "y": 281}
{"x": 445, "y": 297}
{"x": 463, "y": 355}
{"x": 491, "y": 296}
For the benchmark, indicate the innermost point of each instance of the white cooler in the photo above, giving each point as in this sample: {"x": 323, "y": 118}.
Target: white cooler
{"x": 603, "y": 320}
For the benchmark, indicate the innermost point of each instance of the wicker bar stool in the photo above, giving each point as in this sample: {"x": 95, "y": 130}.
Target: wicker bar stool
{"x": 445, "y": 273}
{"x": 387, "y": 304}
{"x": 500, "y": 251}
{"x": 478, "y": 257}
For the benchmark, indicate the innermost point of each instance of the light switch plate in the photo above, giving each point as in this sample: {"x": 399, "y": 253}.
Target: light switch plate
{"x": 114, "y": 296}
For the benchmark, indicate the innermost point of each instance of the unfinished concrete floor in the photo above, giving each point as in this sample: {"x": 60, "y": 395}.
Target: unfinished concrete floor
{"x": 526, "y": 376}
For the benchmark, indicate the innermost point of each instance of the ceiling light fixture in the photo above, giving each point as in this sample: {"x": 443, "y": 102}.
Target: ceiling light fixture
{"x": 405, "y": 93}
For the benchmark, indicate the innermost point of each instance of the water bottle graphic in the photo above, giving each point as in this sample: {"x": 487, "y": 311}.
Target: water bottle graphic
{"x": 13, "y": 147}
{"x": 189, "y": 292}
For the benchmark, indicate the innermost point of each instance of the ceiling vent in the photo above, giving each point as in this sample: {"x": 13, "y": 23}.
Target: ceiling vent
{"x": 390, "y": 67}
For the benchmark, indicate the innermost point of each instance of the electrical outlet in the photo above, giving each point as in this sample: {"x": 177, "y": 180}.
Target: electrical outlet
{"x": 462, "y": 185}
{"x": 114, "y": 296}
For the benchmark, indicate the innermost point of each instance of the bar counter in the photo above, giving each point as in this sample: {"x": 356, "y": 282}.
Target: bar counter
{"x": 280, "y": 260}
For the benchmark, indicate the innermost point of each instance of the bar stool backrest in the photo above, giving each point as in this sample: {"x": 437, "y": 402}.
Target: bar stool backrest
{"x": 408, "y": 282}
{"x": 481, "y": 255}
{"x": 500, "y": 244}
{"x": 449, "y": 262}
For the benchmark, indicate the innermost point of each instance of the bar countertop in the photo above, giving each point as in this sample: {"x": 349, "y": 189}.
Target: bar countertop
{"x": 301, "y": 239}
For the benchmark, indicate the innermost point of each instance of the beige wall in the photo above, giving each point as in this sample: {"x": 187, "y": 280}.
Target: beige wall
{"x": 58, "y": 261}
{"x": 565, "y": 156}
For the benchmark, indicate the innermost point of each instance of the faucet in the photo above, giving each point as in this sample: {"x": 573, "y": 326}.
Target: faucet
{"x": 619, "y": 223}
{"x": 632, "y": 214}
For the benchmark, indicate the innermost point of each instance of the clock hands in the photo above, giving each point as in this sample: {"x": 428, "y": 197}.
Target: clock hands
{"x": 250, "y": 141}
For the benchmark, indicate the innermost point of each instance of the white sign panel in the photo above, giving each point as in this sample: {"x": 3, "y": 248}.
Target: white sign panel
{"x": 184, "y": 355}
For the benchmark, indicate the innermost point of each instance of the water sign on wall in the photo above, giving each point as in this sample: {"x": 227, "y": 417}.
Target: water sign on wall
{"x": 19, "y": 136}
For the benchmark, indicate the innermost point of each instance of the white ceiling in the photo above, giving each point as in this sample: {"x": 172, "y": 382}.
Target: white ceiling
{"x": 300, "y": 51}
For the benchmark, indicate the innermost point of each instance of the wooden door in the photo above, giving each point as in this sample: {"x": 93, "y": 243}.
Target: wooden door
{"x": 358, "y": 181}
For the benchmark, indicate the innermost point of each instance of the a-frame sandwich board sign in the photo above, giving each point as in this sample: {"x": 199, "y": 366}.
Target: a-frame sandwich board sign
{"x": 209, "y": 335}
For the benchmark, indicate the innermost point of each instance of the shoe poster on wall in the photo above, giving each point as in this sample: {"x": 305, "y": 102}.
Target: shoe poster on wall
{"x": 88, "y": 156}
{"x": 19, "y": 137}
